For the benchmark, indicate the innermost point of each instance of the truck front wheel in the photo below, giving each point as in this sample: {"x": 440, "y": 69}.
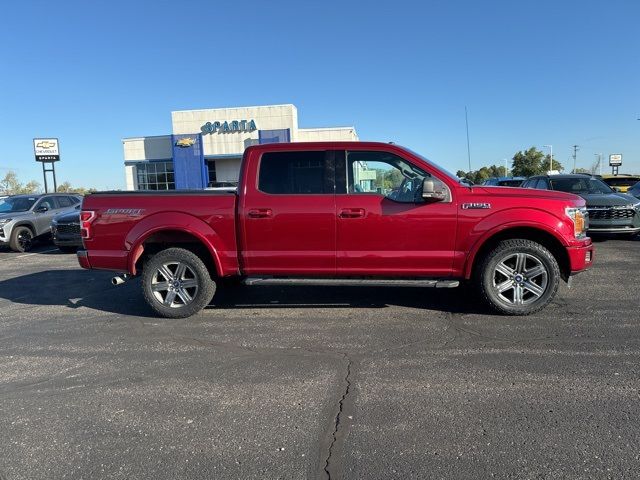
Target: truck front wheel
{"x": 518, "y": 277}
{"x": 176, "y": 283}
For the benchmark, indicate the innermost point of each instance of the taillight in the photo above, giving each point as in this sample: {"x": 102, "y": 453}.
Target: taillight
{"x": 86, "y": 217}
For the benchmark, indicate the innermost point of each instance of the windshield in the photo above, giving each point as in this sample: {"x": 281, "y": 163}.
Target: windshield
{"x": 580, "y": 186}
{"x": 438, "y": 167}
{"x": 16, "y": 204}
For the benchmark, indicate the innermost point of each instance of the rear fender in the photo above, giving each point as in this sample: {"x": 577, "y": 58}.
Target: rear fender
{"x": 177, "y": 221}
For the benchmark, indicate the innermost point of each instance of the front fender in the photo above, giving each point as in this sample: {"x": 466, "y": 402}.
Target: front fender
{"x": 224, "y": 253}
{"x": 498, "y": 222}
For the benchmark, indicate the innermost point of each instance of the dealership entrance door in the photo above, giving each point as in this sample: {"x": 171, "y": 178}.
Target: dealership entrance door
{"x": 223, "y": 169}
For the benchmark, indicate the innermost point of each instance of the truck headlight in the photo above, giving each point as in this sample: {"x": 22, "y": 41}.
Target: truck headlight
{"x": 578, "y": 216}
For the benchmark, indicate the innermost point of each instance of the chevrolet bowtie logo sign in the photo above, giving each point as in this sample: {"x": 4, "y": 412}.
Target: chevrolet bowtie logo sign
{"x": 185, "y": 142}
{"x": 46, "y": 149}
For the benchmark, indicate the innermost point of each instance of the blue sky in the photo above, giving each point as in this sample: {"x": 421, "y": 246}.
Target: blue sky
{"x": 557, "y": 72}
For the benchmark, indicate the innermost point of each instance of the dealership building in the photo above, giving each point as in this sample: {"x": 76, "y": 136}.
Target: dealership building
{"x": 206, "y": 146}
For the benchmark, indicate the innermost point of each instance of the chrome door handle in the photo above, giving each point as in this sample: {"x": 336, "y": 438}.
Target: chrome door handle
{"x": 260, "y": 213}
{"x": 351, "y": 213}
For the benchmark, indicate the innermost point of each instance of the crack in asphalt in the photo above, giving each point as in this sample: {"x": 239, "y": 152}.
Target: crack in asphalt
{"x": 329, "y": 464}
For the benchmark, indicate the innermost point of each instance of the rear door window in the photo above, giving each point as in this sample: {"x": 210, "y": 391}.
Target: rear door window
{"x": 295, "y": 173}
{"x": 65, "y": 202}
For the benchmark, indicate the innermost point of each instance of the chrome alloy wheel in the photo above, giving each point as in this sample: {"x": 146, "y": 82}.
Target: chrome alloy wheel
{"x": 520, "y": 279}
{"x": 174, "y": 284}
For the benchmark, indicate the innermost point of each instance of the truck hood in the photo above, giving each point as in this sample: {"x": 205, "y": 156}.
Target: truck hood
{"x": 517, "y": 192}
{"x": 609, "y": 199}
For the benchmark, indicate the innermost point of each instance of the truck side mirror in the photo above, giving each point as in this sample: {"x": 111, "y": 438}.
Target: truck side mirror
{"x": 434, "y": 190}
{"x": 42, "y": 209}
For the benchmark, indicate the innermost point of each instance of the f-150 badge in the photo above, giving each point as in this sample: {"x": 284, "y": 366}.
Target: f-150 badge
{"x": 475, "y": 206}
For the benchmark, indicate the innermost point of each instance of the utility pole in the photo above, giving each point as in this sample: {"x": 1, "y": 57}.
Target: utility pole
{"x": 550, "y": 147}
{"x": 466, "y": 120}
{"x": 575, "y": 154}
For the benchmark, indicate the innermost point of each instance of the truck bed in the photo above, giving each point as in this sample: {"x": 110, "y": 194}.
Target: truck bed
{"x": 125, "y": 220}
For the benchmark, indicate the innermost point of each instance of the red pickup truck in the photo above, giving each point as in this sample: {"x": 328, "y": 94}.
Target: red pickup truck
{"x": 339, "y": 212}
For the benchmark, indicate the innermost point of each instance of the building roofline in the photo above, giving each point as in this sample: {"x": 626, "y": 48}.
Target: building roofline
{"x": 327, "y": 128}
{"x": 147, "y": 136}
{"x": 235, "y": 108}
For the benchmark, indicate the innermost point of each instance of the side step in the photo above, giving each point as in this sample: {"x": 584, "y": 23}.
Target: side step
{"x": 352, "y": 282}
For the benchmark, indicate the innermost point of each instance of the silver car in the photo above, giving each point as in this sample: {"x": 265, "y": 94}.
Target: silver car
{"x": 25, "y": 217}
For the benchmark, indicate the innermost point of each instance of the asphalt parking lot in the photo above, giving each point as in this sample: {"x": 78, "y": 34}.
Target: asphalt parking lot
{"x": 292, "y": 382}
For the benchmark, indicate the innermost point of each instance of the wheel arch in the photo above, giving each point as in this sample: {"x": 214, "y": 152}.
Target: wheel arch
{"x": 164, "y": 238}
{"x": 178, "y": 229}
{"x": 24, "y": 223}
{"x": 537, "y": 233}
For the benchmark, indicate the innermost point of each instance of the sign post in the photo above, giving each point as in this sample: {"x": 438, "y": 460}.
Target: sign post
{"x": 47, "y": 150}
{"x": 615, "y": 161}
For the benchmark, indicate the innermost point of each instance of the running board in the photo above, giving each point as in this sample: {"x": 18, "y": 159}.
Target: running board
{"x": 352, "y": 282}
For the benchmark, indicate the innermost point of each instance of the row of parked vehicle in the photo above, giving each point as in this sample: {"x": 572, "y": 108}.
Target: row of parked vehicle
{"x": 24, "y": 219}
{"x": 613, "y": 202}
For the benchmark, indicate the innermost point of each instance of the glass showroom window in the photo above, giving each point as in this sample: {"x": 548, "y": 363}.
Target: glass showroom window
{"x": 156, "y": 176}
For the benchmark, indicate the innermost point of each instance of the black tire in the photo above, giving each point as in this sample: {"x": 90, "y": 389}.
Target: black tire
{"x": 67, "y": 249}
{"x": 502, "y": 281}
{"x": 192, "y": 292}
{"x": 21, "y": 239}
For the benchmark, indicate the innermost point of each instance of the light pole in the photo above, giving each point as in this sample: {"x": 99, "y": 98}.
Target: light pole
{"x": 599, "y": 164}
{"x": 550, "y": 147}
{"x": 506, "y": 169}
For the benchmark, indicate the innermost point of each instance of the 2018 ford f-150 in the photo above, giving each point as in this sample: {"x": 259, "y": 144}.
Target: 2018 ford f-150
{"x": 348, "y": 212}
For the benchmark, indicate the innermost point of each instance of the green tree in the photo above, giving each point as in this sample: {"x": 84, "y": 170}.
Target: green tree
{"x": 533, "y": 162}
{"x": 10, "y": 185}
{"x": 479, "y": 176}
{"x": 66, "y": 187}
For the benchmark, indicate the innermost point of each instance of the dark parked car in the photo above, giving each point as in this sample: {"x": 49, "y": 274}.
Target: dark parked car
{"x": 609, "y": 211}
{"x": 65, "y": 230}
{"x": 504, "y": 181}
{"x": 635, "y": 190}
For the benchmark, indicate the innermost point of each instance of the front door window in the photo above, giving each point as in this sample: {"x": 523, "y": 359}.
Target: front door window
{"x": 385, "y": 174}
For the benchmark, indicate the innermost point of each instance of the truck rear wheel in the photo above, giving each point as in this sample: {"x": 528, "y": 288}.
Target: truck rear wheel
{"x": 518, "y": 277}
{"x": 176, "y": 283}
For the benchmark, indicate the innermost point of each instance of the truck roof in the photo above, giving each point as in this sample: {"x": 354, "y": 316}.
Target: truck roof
{"x": 315, "y": 145}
